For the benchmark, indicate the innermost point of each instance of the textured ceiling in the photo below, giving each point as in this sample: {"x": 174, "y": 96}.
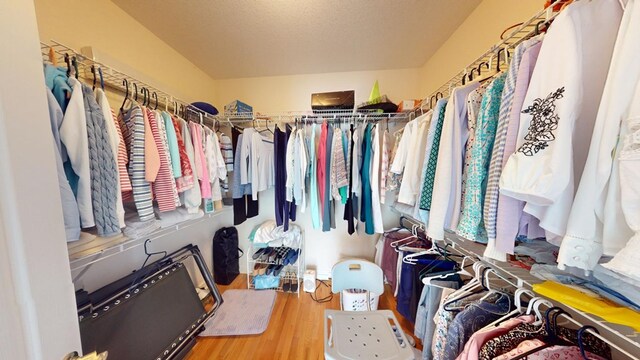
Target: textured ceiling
{"x": 247, "y": 38}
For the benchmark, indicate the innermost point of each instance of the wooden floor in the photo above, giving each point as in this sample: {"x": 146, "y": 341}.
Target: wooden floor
{"x": 295, "y": 330}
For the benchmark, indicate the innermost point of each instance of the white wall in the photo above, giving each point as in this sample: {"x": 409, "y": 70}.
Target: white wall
{"x": 39, "y": 318}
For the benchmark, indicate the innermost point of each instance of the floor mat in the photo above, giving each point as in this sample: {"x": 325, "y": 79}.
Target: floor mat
{"x": 244, "y": 312}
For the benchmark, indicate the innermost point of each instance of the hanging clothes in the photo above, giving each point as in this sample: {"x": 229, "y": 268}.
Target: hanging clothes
{"x": 151, "y": 155}
{"x": 338, "y": 174}
{"x": 244, "y": 206}
{"x": 410, "y": 187}
{"x": 384, "y": 166}
{"x": 164, "y": 143}
{"x": 172, "y": 144}
{"x": 551, "y": 149}
{"x": 190, "y": 197}
{"x": 164, "y": 185}
{"x": 593, "y": 228}
{"x": 471, "y": 225}
{"x": 117, "y": 147}
{"x": 69, "y": 205}
{"x": 495, "y": 166}
{"x": 313, "y": 179}
{"x": 185, "y": 181}
{"x": 430, "y": 170}
{"x": 103, "y": 172}
{"x": 446, "y": 194}
{"x": 376, "y": 155}
{"x": 133, "y": 122}
{"x": 366, "y": 208}
{"x": 300, "y": 171}
{"x": 349, "y": 212}
{"x": 73, "y": 135}
{"x": 474, "y": 101}
{"x": 327, "y": 203}
{"x": 627, "y": 259}
{"x": 510, "y": 210}
{"x": 280, "y": 149}
{"x": 200, "y": 160}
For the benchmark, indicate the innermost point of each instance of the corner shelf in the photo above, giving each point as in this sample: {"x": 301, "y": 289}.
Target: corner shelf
{"x": 92, "y": 249}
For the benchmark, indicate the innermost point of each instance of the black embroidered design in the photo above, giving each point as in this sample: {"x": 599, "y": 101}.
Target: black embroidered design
{"x": 544, "y": 122}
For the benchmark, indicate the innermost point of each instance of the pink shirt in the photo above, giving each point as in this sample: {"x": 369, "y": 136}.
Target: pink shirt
{"x": 201, "y": 164}
{"x": 479, "y": 338}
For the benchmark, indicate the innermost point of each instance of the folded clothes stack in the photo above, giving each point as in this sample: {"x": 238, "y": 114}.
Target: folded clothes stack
{"x": 269, "y": 234}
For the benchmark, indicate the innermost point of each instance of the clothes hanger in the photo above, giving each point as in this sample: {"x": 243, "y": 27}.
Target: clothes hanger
{"x": 411, "y": 236}
{"x": 149, "y": 255}
{"x": 144, "y": 96}
{"x": 68, "y": 62}
{"x": 581, "y": 345}
{"x": 101, "y": 78}
{"x": 93, "y": 72}
{"x": 534, "y": 305}
{"x": 498, "y": 59}
{"x": 135, "y": 92}
{"x": 74, "y": 62}
{"x": 478, "y": 286}
{"x": 472, "y": 285}
{"x": 518, "y": 308}
{"x": 125, "y": 83}
{"x": 551, "y": 328}
{"x": 156, "y": 97}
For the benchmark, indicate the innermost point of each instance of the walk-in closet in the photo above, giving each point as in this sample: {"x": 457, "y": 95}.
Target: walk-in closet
{"x": 360, "y": 179}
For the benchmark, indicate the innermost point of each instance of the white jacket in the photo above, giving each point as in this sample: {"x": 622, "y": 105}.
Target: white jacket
{"x": 559, "y": 112}
{"x": 594, "y": 208}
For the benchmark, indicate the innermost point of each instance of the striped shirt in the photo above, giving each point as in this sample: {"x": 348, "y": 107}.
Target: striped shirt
{"x": 164, "y": 186}
{"x": 133, "y": 122}
{"x": 495, "y": 166}
{"x": 227, "y": 151}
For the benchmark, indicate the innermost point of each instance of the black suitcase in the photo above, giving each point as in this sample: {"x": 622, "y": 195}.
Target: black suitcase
{"x": 226, "y": 255}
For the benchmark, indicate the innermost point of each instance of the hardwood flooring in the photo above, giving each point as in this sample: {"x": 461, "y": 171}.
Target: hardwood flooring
{"x": 295, "y": 331}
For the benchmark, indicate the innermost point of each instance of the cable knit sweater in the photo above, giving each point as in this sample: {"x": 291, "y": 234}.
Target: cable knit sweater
{"x": 103, "y": 171}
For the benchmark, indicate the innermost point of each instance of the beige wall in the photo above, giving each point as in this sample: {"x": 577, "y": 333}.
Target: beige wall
{"x": 122, "y": 42}
{"x": 293, "y": 93}
{"x": 474, "y": 36}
